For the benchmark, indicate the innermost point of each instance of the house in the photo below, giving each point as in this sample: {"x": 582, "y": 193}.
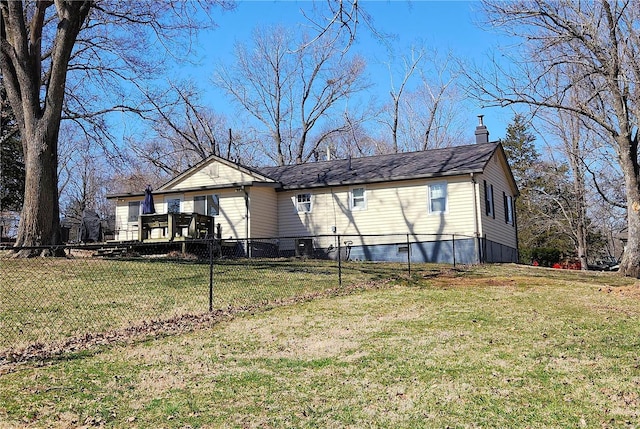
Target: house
{"x": 457, "y": 200}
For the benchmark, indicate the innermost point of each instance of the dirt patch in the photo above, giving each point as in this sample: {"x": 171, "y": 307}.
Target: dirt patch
{"x": 453, "y": 281}
{"x": 632, "y": 291}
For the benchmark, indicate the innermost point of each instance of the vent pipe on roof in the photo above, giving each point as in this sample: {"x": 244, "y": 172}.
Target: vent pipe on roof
{"x": 482, "y": 133}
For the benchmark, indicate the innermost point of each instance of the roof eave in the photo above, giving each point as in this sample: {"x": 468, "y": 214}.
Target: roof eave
{"x": 379, "y": 180}
{"x": 228, "y": 163}
{"x": 193, "y": 189}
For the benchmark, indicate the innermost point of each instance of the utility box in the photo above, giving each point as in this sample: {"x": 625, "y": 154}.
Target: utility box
{"x": 304, "y": 247}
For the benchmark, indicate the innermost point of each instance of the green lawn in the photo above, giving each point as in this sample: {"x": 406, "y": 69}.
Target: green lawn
{"x": 50, "y": 299}
{"x": 488, "y": 346}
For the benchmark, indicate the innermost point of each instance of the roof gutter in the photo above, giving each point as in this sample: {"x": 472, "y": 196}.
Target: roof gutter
{"x": 183, "y": 190}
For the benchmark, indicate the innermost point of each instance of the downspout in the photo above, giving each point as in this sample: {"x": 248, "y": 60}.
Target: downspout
{"x": 476, "y": 225}
{"x": 515, "y": 225}
{"x": 246, "y": 218}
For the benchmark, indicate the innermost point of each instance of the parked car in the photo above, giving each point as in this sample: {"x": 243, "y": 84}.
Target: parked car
{"x": 605, "y": 264}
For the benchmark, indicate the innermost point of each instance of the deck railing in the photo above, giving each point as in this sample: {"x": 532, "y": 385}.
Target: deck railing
{"x": 175, "y": 226}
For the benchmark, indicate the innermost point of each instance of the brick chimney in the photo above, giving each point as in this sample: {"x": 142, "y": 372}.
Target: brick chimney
{"x": 482, "y": 133}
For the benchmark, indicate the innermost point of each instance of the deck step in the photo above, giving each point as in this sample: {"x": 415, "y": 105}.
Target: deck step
{"x": 111, "y": 252}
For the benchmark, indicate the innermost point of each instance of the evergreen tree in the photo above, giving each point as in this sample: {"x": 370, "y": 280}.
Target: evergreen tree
{"x": 519, "y": 146}
{"x": 542, "y": 187}
{"x": 12, "y": 170}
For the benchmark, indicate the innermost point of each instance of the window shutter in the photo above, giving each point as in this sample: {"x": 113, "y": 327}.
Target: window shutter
{"x": 493, "y": 208}
{"x": 488, "y": 199}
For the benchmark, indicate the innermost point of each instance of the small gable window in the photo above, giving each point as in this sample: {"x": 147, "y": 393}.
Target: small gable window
{"x": 438, "y": 197}
{"x": 358, "y": 199}
{"x": 303, "y": 203}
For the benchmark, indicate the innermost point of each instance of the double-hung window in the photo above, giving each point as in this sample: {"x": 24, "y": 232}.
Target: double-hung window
{"x": 488, "y": 200}
{"x": 134, "y": 211}
{"x": 303, "y": 203}
{"x": 207, "y": 204}
{"x": 173, "y": 205}
{"x": 438, "y": 197}
{"x": 508, "y": 208}
{"x": 358, "y": 199}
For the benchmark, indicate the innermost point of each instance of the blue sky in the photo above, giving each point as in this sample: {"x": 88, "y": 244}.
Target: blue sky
{"x": 446, "y": 25}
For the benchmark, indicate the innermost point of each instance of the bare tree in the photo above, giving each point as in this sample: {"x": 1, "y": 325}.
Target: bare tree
{"x": 424, "y": 108}
{"x": 185, "y": 133}
{"x": 409, "y": 66}
{"x": 572, "y": 136}
{"x": 433, "y": 112}
{"x": 593, "y": 47}
{"x": 340, "y": 23}
{"x": 353, "y": 141}
{"x": 52, "y": 55}
{"x": 291, "y": 90}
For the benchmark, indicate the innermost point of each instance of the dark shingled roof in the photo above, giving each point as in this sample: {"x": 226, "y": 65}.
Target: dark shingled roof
{"x": 383, "y": 168}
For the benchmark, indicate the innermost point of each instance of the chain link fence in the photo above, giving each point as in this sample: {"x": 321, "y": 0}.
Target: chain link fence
{"x": 106, "y": 287}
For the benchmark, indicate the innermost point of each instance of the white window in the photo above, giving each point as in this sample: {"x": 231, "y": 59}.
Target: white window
{"x": 173, "y": 205}
{"x": 134, "y": 211}
{"x": 358, "y": 199}
{"x": 207, "y": 204}
{"x": 438, "y": 197}
{"x": 508, "y": 209}
{"x": 303, "y": 203}
{"x": 488, "y": 200}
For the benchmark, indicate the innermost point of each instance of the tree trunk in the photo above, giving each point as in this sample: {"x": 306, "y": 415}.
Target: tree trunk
{"x": 581, "y": 235}
{"x": 38, "y": 107}
{"x": 574, "y": 154}
{"x": 630, "y": 264}
{"x": 40, "y": 220}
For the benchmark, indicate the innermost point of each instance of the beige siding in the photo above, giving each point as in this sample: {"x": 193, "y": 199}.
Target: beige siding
{"x": 401, "y": 208}
{"x": 125, "y": 230}
{"x": 232, "y": 217}
{"x": 232, "y": 212}
{"x": 212, "y": 174}
{"x": 495, "y": 228}
{"x": 263, "y": 219}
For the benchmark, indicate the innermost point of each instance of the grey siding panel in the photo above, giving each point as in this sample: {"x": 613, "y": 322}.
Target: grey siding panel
{"x": 497, "y": 252}
{"x": 441, "y": 251}
{"x": 494, "y": 227}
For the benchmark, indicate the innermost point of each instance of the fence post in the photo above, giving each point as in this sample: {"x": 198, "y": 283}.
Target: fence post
{"x": 339, "y": 263}
{"x": 453, "y": 245}
{"x": 210, "y": 243}
{"x": 409, "y": 256}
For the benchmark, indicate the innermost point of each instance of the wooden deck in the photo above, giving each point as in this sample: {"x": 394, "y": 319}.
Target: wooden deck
{"x": 169, "y": 227}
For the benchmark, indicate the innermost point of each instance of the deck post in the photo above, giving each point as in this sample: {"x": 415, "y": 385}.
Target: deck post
{"x": 171, "y": 226}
